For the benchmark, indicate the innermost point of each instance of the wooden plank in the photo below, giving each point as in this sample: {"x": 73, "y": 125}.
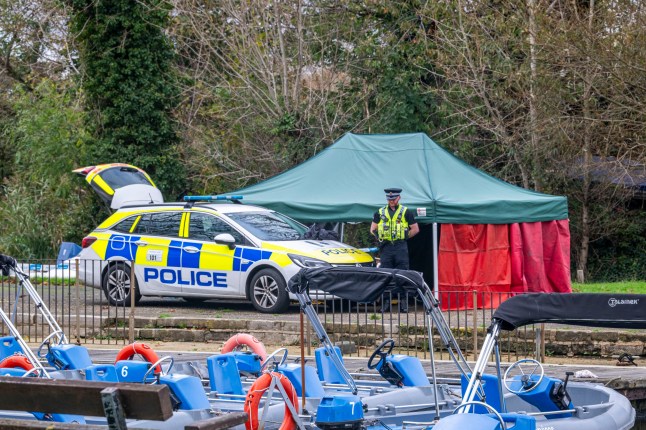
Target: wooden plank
{"x": 222, "y": 422}
{"x": 12, "y": 424}
{"x": 140, "y": 401}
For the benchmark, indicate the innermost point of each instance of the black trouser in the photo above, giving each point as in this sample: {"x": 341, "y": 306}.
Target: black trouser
{"x": 394, "y": 255}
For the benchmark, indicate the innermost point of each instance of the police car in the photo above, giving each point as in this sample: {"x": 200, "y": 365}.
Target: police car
{"x": 199, "y": 249}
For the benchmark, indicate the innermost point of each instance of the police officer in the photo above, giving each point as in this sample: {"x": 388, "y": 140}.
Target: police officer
{"x": 392, "y": 225}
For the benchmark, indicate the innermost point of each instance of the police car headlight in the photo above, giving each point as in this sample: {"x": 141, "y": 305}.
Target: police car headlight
{"x": 303, "y": 261}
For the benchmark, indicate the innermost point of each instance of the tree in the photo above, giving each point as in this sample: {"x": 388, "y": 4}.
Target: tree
{"x": 41, "y": 205}
{"x": 598, "y": 113}
{"x": 32, "y": 48}
{"x": 264, "y": 86}
{"x": 547, "y": 90}
{"x": 270, "y": 85}
{"x": 126, "y": 60}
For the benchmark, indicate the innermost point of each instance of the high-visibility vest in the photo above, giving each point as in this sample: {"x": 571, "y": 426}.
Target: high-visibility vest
{"x": 394, "y": 228}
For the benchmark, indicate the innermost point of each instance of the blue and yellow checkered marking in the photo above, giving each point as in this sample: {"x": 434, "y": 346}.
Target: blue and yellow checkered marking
{"x": 251, "y": 255}
{"x": 125, "y": 247}
{"x": 122, "y": 246}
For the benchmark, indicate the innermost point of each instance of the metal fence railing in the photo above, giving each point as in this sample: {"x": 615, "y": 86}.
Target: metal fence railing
{"x": 467, "y": 313}
{"x": 86, "y": 316}
{"x": 83, "y": 314}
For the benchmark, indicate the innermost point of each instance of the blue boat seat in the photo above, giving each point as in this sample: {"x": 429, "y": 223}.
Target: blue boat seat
{"x": 68, "y": 357}
{"x": 485, "y": 422}
{"x": 545, "y": 397}
{"x": 410, "y": 368}
{"x": 224, "y": 375}
{"x": 491, "y": 391}
{"x": 9, "y": 346}
{"x": 187, "y": 390}
{"x": 133, "y": 371}
{"x": 248, "y": 362}
{"x": 327, "y": 371}
{"x": 346, "y": 410}
{"x": 313, "y": 386}
{"x": 101, "y": 372}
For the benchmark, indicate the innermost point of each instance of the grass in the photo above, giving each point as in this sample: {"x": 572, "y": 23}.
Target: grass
{"x": 627, "y": 287}
{"x": 40, "y": 279}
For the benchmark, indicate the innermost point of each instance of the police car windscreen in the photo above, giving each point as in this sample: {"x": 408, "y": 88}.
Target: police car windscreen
{"x": 269, "y": 225}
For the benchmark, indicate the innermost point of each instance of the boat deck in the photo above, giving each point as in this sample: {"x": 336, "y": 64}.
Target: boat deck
{"x": 627, "y": 380}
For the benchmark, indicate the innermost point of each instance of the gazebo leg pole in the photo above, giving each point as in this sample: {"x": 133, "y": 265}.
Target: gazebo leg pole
{"x": 436, "y": 276}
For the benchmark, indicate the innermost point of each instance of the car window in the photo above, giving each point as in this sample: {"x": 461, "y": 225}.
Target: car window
{"x": 118, "y": 177}
{"x": 159, "y": 224}
{"x": 206, "y": 227}
{"x": 125, "y": 225}
{"x": 269, "y": 225}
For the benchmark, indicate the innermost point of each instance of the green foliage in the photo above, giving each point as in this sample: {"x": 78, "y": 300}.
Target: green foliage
{"x": 395, "y": 68}
{"x": 358, "y": 235}
{"x": 126, "y": 59}
{"x": 40, "y": 207}
{"x": 277, "y": 84}
{"x": 621, "y": 256}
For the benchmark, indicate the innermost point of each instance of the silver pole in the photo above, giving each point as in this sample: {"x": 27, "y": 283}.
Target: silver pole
{"x": 432, "y": 353}
{"x": 40, "y": 305}
{"x": 481, "y": 364}
{"x": 308, "y": 310}
{"x": 23, "y": 345}
{"x": 436, "y": 276}
{"x": 503, "y": 405}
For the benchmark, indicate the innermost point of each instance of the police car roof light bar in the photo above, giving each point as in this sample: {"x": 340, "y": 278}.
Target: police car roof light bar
{"x": 194, "y": 199}
{"x": 210, "y": 198}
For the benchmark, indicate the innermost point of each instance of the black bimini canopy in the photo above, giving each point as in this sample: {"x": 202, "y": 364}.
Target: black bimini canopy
{"x": 359, "y": 284}
{"x": 593, "y": 310}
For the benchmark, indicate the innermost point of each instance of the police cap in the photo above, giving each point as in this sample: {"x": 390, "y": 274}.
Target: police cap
{"x": 392, "y": 193}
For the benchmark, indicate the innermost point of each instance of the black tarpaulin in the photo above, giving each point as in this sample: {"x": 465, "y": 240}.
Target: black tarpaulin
{"x": 593, "y": 310}
{"x": 360, "y": 284}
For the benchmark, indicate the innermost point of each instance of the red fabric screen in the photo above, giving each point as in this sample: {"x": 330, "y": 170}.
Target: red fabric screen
{"x": 540, "y": 257}
{"x": 497, "y": 260}
{"x": 473, "y": 257}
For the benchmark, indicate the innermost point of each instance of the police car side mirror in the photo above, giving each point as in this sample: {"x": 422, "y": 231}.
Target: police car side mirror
{"x": 225, "y": 239}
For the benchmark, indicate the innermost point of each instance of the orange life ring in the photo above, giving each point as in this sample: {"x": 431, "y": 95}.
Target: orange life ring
{"x": 16, "y": 360}
{"x": 142, "y": 349}
{"x": 241, "y": 339}
{"x": 255, "y": 394}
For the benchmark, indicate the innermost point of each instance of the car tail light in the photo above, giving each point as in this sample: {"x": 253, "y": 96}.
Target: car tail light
{"x": 87, "y": 241}
{"x": 84, "y": 171}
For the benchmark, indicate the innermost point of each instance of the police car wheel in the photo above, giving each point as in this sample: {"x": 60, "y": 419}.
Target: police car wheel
{"x": 117, "y": 286}
{"x": 267, "y": 292}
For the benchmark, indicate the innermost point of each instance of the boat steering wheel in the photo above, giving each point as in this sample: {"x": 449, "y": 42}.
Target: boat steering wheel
{"x": 484, "y": 405}
{"x": 272, "y": 357}
{"x": 45, "y": 342}
{"x": 36, "y": 371}
{"x": 388, "y": 343}
{"x": 527, "y": 384}
{"x": 162, "y": 372}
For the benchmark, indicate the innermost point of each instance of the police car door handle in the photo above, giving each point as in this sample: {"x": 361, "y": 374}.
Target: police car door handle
{"x": 141, "y": 243}
{"x": 190, "y": 249}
